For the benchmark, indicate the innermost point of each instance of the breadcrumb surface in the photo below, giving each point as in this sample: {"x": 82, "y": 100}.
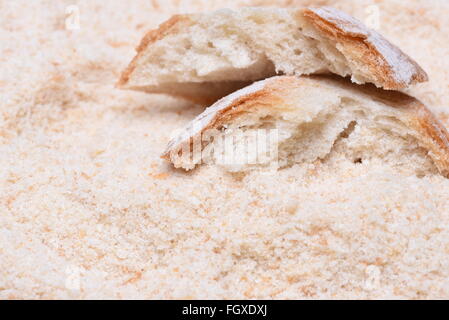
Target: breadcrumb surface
{"x": 88, "y": 209}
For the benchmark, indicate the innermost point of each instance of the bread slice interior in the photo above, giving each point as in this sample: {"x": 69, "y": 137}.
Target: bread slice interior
{"x": 285, "y": 121}
{"x": 204, "y": 57}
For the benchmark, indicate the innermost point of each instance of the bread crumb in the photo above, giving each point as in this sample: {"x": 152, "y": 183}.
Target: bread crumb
{"x": 224, "y": 237}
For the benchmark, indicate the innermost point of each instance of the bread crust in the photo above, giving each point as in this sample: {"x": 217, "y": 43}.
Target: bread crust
{"x": 225, "y": 110}
{"x": 419, "y": 117}
{"x": 171, "y": 26}
{"x": 277, "y": 90}
{"x": 388, "y": 65}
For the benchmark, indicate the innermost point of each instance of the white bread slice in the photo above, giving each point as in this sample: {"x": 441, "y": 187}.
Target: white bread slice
{"x": 204, "y": 57}
{"x": 318, "y": 117}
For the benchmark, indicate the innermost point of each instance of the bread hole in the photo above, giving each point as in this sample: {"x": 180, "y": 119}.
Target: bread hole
{"x": 297, "y": 52}
{"x": 210, "y": 45}
{"x": 358, "y": 160}
{"x": 350, "y": 129}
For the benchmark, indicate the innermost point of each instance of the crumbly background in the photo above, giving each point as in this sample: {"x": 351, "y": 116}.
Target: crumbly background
{"x": 89, "y": 210}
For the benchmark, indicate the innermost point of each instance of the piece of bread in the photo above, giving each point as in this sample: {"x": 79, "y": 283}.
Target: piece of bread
{"x": 204, "y": 57}
{"x": 316, "y": 117}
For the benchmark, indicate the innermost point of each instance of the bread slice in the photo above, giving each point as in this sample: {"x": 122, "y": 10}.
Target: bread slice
{"x": 204, "y": 57}
{"x": 316, "y": 118}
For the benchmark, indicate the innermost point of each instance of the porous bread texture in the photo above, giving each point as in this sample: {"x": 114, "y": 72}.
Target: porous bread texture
{"x": 227, "y": 47}
{"x": 316, "y": 116}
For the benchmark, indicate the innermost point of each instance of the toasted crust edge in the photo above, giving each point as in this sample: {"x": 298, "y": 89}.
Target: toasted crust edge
{"x": 345, "y": 32}
{"x": 421, "y": 119}
{"x": 264, "y": 94}
{"x": 418, "y": 116}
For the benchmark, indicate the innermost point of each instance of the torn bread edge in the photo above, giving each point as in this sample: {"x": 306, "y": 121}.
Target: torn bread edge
{"x": 389, "y": 67}
{"x": 431, "y": 134}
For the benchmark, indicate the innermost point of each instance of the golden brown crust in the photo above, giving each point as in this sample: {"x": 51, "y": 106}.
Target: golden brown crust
{"x": 277, "y": 91}
{"x": 170, "y": 26}
{"x": 438, "y": 143}
{"x": 266, "y": 95}
{"x": 364, "y": 46}
{"x": 387, "y": 66}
